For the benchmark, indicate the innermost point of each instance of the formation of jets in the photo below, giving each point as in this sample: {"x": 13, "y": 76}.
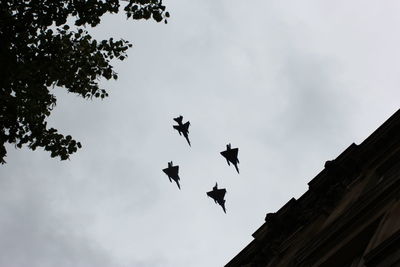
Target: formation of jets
{"x": 230, "y": 154}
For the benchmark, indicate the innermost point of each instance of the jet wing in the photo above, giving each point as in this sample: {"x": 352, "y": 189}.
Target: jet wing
{"x": 218, "y": 194}
{"x": 166, "y": 171}
{"x": 171, "y": 171}
{"x": 175, "y": 169}
{"x": 185, "y": 126}
{"x": 177, "y": 127}
{"x": 235, "y": 152}
{"x": 232, "y": 153}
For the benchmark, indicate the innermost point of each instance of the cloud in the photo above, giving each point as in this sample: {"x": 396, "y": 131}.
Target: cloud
{"x": 34, "y": 233}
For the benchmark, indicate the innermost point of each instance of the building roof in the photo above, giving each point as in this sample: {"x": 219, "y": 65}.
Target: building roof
{"x": 325, "y": 190}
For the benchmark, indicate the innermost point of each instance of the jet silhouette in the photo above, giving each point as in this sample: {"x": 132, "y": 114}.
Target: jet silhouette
{"x": 172, "y": 172}
{"x": 182, "y": 128}
{"x": 218, "y": 196}
{"x": 231, "y": 156}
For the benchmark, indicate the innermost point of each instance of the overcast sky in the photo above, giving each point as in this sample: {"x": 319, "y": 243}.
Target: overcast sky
{"x": 291, "y": 83}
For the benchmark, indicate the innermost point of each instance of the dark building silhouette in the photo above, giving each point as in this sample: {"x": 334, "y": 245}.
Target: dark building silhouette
{"x": 349, "y": 217}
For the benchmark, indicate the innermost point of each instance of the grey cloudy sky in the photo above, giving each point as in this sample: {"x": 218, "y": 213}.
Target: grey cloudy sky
{"x": 291, "y": 83}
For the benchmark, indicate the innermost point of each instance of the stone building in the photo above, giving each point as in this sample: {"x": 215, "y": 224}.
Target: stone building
{"x": 349, "y": 217}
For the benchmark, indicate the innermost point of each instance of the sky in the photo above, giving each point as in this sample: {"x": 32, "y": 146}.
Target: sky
{"x": 290, "y": 83}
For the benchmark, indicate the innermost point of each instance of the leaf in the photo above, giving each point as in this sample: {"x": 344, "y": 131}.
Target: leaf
{"x": 39, "y": 56}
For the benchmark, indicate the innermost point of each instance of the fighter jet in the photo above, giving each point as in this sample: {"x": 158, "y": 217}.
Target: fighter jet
{"x": 218, "y": 196}
{"x": 231, "y": 156}
{"x": 172, "y": 172}
{"x": 182, "y": 128}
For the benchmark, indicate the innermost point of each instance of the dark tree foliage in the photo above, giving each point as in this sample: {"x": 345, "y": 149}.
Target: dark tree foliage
{"x": 39, "y": 51}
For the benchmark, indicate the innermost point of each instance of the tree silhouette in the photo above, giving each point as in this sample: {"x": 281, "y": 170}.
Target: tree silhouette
{"x": 39, "y": 50}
